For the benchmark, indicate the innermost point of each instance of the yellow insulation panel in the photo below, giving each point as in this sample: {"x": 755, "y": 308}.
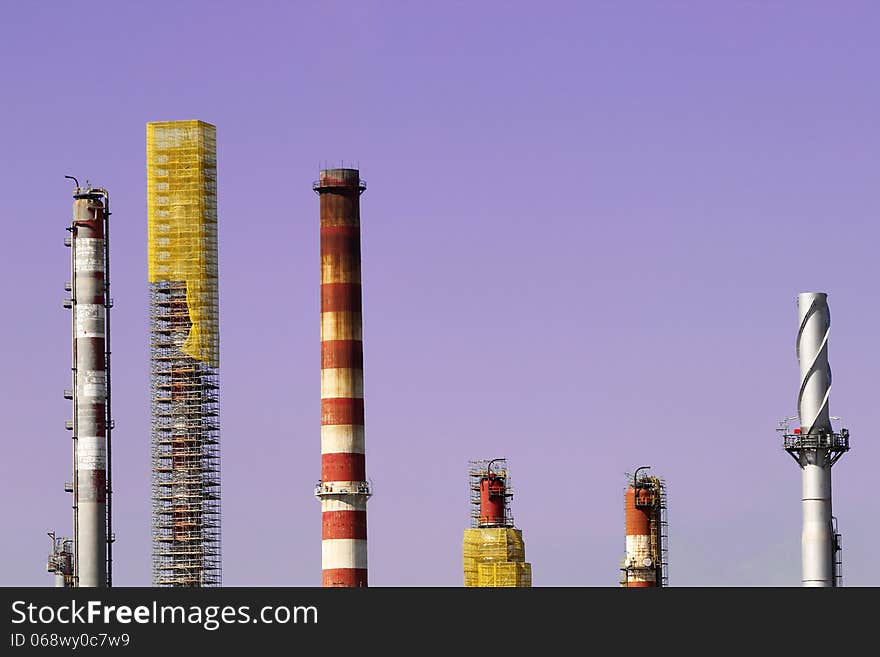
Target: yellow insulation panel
{"x": 498, "y": 544}
{"x": 505, "y": 574}
{"x": 182, "y": 224}
{"x": 501, "y": 546}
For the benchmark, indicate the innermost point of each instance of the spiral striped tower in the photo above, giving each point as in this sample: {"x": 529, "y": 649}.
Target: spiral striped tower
{"x": 343, "y": 489}
{"x": 814, "y": 444}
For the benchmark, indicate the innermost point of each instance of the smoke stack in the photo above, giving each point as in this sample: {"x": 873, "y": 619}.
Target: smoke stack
{"x": 815, "y": 445}
{"x": 89, "y": 303}
{"x": 343, "y": 489}
{"x": 645, "y": 563}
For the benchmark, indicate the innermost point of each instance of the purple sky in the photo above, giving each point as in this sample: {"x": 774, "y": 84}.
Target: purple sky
{"x": 584, "y": 231}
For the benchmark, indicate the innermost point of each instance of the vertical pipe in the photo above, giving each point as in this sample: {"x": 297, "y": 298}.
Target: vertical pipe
{"x": 343, "y": 489}
{"x": 107, "y": 411}
{"x": 816, "y": 545}
{"x": 812, "y": 352}
{"x": 73, "y": 341}
{"x": 89, "y": 392}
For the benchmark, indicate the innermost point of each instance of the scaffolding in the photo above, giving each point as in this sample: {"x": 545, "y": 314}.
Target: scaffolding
{"x": 182, "y": 224}
{"x": 479, "y": 470}
{"x": 184, "y": 353}
{"x": 495, "y": 556}
{"x": 505, "y": 575}
{"x": 837, "y": 551}
{"x": 60, "y": 561}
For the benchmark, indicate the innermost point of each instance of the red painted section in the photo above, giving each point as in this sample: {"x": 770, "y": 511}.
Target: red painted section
{"x": 638, "y": 520}
{"x": 638, "y": 523}
{"x": 340, "y": 297}
{"x": 342, "y": 411}
{"x": 96, "y": 481}
{"x": 492, "y": 500}
{"x": 344, "y": 524}
{"x": 341, "y": 240}
{"x": 349, "y": 577}
{"x": 342, "y": 353}
{"x": 95, "y": 346}
{"x": 340, "y": 207}
{"x": 343, "y": 466}
{"x": 91, "y": 221}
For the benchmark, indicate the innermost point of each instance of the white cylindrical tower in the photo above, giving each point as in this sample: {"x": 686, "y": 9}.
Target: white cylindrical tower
{"x": 815, "y": 445}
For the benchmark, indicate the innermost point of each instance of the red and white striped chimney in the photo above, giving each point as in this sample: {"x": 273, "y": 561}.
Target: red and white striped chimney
{"x": 89, "y": 303}
{"x": 343, "y": 489}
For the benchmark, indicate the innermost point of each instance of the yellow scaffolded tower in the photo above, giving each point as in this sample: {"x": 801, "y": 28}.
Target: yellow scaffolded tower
{"x": 493, "y": 552}
{"x": 184, "y": 352}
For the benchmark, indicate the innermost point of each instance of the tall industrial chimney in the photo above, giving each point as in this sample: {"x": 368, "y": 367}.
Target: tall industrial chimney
{"x": 90, "y": 303}
{"x": 184, "y": 352}
{"x": 814, "y": 444}
{"x": 493, "y": 551}
{"x": 645, "y": 564}
{"x": 343, "y": 489}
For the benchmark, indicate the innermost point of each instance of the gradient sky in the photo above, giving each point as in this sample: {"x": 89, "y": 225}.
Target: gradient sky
{"x": 585, "y": 228}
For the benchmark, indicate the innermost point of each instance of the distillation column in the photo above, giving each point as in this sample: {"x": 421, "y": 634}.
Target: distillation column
{"x": 90, "y": 422}
{"x": 343, "y": 489}
{"x": 644, "y": 564}
{"x": 638, "y": 570}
